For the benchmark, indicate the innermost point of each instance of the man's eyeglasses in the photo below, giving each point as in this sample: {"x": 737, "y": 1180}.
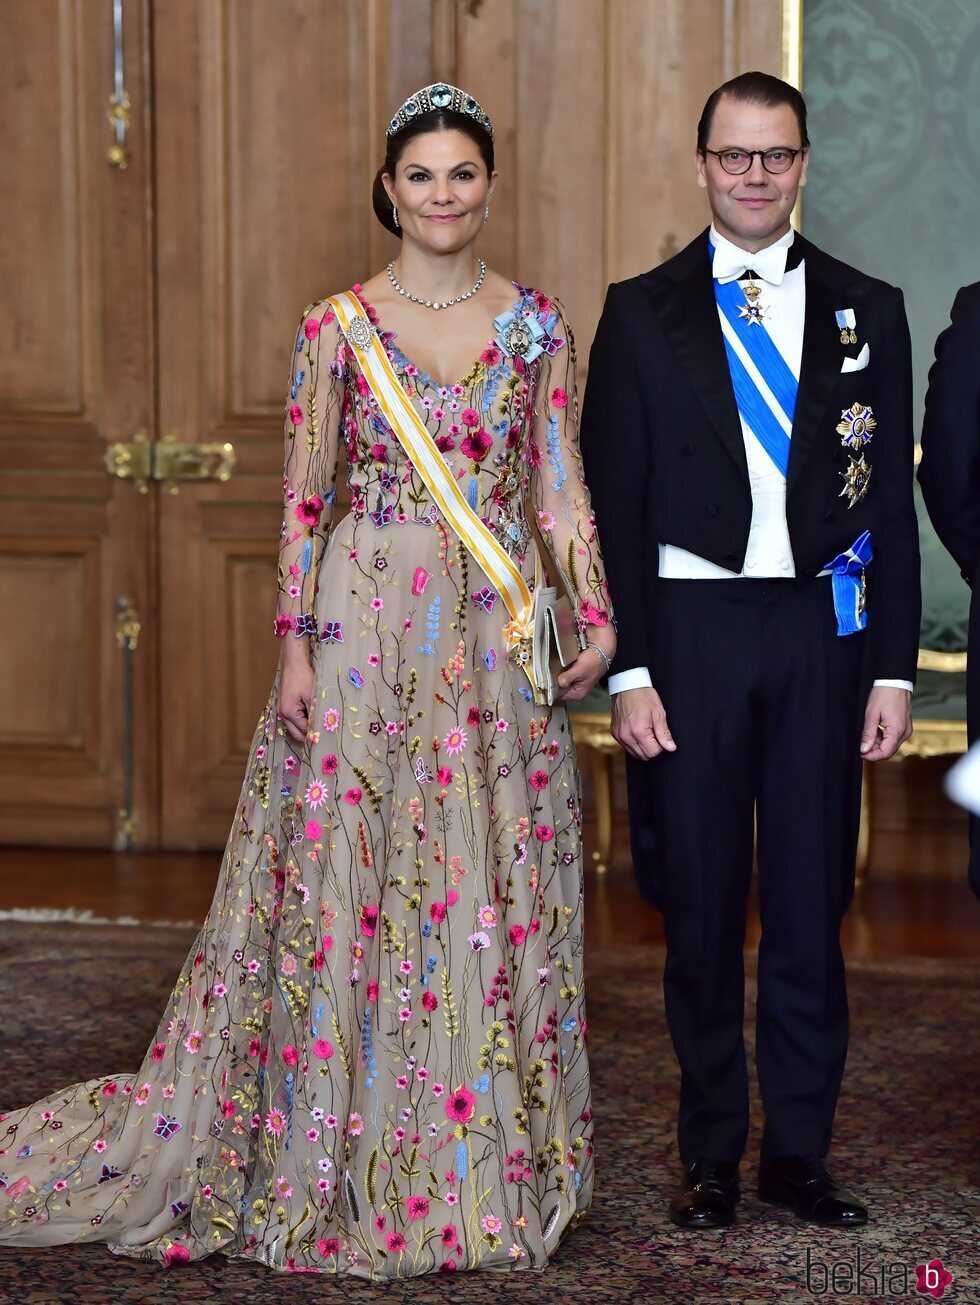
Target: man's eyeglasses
{"x": 735, "y": 162}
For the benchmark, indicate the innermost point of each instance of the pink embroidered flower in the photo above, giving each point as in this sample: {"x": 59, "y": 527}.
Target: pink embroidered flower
{"x": 538, "y": 780}
{"x": 331, "y": 719}
{"x": 315, "y": 795}
{"x": 369, "y": 921}
{"x": 290, "y": 1055}
{"x": 438, "y": 912}
{"x": 328, "y": 765}
{"x": 296, "y": 415}
{"x": 288, "y": 965}
{"x": 455, "y": 741}
{"x": 176, "y": 1255}
{"x": 544, "y": 832}
{"x": 193, "y": 1042}
{"x": 470, "y": 417}
{"x": 449, "y": 1235}
{"x": 546, "y": 520}
{"x": 559, "y": 398}
{"x": 487, "y": 916}
{"x": 429, "y": 1000}
{"x": 159, "y": 1051}
{"x": 517, "y": 933}
{"x": 275, "y": 1122}
{"x": 309, "y": 510}
{"x": 445, "y": 443}
{"x": 311, "y": 328}
{"x": 491, "y": 356}
{"x": 593, "y": 615}
{"x": 476, "y": 445}
{"x": 372, "y": 990}
{"x": 323, "y": 1049}
{"x": 396, "y": 1242}
{"x": 353, "y": 796}
{"x": 328, "y": 1245}
{"x": 418, "y": 1207}
{"x": 313, "y": 829}
{"x": 444, "y": 775}
{"x": 461, "y": 1105}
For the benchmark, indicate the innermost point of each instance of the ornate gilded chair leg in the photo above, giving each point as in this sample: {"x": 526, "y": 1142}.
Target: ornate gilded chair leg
{"x": 602, "y": 765}
{"x": 864, "y": 831}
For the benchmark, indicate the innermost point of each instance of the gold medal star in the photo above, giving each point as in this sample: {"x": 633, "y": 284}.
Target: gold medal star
{"x": 857, "y": 477}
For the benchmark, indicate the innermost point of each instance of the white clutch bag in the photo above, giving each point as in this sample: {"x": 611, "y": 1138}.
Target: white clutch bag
{"x": 556, "y": 642}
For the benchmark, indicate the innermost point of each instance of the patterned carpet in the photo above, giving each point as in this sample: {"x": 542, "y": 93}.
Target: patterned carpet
{"x": 78, "y": 1001}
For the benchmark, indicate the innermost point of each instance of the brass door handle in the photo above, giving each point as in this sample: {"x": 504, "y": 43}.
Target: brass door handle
{"x": 168, "y": 460}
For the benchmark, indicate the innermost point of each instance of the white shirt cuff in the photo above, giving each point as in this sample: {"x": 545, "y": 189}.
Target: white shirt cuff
{"x": 907, "y": 685}
{"x": 638, "y": 678}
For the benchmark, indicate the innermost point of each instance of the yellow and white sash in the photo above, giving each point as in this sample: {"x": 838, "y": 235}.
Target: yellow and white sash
{"x": 404, "y": 420}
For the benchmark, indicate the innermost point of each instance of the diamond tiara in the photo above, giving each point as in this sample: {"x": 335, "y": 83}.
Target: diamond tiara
{"x": 439, "y": 96}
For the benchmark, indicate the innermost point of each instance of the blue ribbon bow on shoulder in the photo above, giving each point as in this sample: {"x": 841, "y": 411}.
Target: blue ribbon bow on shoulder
{"x": 847, "y": 578}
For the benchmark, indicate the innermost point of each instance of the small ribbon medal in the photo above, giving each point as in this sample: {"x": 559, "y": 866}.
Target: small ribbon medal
{"x": 847, "y": 322}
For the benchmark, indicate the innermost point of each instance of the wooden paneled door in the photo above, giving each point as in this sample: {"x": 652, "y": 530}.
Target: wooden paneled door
{"x": 148, "y": 312}
{"x": 76, "y": 374}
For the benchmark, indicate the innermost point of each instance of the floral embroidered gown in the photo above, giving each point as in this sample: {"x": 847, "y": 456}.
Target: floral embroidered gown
{"x": 374, "y": 1060}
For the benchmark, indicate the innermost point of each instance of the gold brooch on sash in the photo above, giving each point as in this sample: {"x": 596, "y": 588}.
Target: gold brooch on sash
{"x": 857, "y": 478}
{"x": 359, "y": 332}
{"x": 753, "y": 310}
{"x": 857, "y": 425}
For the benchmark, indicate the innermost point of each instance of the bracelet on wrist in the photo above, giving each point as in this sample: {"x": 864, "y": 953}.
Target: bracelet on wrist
{"x": 602, "y": 653}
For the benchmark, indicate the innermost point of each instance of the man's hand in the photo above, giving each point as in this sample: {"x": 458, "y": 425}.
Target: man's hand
{"x": 639, "y": 724}
{"x": 887, "y": 723}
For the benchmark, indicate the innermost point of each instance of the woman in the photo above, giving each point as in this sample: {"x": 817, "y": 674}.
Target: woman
{"x": 374, "y": 1060}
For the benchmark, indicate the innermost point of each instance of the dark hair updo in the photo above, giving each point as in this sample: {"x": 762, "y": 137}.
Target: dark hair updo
{"x": 432, "y": 120}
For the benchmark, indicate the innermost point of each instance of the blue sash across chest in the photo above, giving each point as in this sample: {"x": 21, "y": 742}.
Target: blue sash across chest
{"x": 754, "y": 405}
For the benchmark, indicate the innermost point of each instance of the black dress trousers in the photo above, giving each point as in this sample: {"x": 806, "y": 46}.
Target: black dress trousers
{"x": 766, "y": 704}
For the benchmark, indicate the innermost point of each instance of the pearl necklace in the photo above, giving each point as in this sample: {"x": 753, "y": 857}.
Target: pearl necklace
{"x": 428, "y": 303}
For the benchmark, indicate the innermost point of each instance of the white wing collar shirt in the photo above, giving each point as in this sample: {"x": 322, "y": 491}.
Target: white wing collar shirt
{"x": 769, "y": 553}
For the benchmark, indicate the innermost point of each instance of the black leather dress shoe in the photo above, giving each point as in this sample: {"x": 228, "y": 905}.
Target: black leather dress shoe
{"x": 803, "y": 1184}
{"x": 707, "y": 1195}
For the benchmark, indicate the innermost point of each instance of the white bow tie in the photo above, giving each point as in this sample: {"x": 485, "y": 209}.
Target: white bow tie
{"x": 730, "y": 263}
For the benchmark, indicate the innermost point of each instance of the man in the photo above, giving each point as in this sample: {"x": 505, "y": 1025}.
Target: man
{"x": 950, "y": 478}
{"x": 747, "y": 422}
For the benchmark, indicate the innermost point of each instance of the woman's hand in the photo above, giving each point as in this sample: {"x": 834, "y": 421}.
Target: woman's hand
{"x": 296, "y": 687}
{"x": 588, "y": 668}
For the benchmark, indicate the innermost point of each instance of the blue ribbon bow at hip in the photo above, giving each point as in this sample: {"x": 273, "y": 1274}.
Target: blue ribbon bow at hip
{"x": 847, "y": 577}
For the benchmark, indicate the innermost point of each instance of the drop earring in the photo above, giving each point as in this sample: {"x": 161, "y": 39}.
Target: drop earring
{"x": 394, "y": 214}
{"x": 486, "y": 215}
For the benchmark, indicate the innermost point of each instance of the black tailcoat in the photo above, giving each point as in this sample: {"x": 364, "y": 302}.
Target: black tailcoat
{"x": 764, "y": 699}
{"x": 950, "y": 478}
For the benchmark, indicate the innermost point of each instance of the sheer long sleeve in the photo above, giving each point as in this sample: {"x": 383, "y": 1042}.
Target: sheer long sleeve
{"x": 560, "y": 496}
{"x": 312, "y": 437}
